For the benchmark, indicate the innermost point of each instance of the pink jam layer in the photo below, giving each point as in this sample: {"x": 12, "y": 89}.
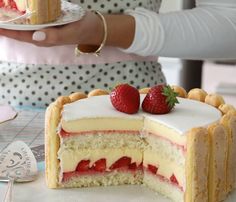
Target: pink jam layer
{"x": 64, "y": 134}
{"x": 69, "y": 175}
{"x": 164, "y": 179}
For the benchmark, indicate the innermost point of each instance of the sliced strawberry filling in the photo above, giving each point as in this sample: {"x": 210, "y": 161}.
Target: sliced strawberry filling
{"x": 11, "y": 4}
{"x": 100, "y": 165}
{"x": 83, "y": 167}
{"x": 154, "y": 170}
{"x": 174, "y": 180}
{"x": 2, "y": 4}
{"x": 123, "y": 164}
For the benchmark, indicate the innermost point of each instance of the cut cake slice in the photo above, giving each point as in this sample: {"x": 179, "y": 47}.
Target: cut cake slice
{"x": 43, "y": 11}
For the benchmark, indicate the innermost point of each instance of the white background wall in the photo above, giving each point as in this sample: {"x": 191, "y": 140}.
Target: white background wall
{"x": 171, "y": 5}
{"x": 171, "y": 67}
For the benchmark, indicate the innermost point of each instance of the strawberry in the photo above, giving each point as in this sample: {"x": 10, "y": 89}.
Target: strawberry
{"x": 152, "y": 169}
{"x": 100, "y": 165}
{"x": 159, "y": 100}
{"x": 125, "y": 98}
{"x": 122, "y": 162}
{"x": 2, "y": 4}
{"x": 133, "y": 166}
{"x": 13, "y": 5}
{"x": 67, "y": 176}
{"x": 174, "y": 180}
{"x": 83, "y": 165}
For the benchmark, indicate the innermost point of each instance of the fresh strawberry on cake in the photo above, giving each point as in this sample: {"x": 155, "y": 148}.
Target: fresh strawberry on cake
{"x": 125, "y": 98}
{"x": 160, "y": 99}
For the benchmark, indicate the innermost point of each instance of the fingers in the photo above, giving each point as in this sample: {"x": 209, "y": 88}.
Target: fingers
{"x": 53, "y": 36}
{"x": 45, "y": 37}
{"x": 25, "y": 36}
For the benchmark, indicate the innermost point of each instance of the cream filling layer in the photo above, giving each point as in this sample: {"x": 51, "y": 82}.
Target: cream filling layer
{"x": 91, "y": 124}
{"x": 70, "y": 158}
{"x": 121, "y": 124}
{"x": 163, "y": 131}
{"x": 166, "y": 167}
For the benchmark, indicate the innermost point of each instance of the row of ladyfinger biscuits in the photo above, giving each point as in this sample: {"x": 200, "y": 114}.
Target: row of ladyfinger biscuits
{"x": 218, "y": 141}
{"x": 221, "y": 140}
{"x": 194, "y": 94}
{"x": 213, "y": 99}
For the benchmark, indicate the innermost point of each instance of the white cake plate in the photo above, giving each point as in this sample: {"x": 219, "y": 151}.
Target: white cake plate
{"x": 70, "y": 13}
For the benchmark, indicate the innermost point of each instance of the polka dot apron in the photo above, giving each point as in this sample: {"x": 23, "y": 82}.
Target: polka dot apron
{"x": 31, "y": 85}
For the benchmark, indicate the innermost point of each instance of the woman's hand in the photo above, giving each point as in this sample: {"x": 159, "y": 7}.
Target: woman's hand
{"x": 88, "y": 30}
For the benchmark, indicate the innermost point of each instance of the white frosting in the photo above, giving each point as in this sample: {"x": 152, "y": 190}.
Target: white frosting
{"x": 186, "y": 115}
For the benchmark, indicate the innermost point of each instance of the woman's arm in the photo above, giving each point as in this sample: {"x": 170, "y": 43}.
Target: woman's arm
{"x": 205, "y": 32}
{"x": 87, "y": 31}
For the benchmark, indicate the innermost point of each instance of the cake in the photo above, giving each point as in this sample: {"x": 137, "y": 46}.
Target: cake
{"x": 43, "y": 11}
{"x": 186, "y": 155}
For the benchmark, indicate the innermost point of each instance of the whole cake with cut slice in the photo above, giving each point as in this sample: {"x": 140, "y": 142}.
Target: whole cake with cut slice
{"x": 43, "y": 11}
{"x": 183, "y": 148}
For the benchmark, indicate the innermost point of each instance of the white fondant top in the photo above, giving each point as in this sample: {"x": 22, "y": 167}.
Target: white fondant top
{"x": 93, "y": 107}
{"x": 186, "y": 115}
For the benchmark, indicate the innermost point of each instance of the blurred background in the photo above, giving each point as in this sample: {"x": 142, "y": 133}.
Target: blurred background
{"x": 213, "y": 76}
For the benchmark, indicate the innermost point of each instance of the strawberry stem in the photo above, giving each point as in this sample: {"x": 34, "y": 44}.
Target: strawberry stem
{"x": 171, "y": 96}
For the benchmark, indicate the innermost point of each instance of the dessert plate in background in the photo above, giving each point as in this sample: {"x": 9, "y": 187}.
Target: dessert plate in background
{"x": 70, "y": 13}
{"x": 6, "y": 113}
